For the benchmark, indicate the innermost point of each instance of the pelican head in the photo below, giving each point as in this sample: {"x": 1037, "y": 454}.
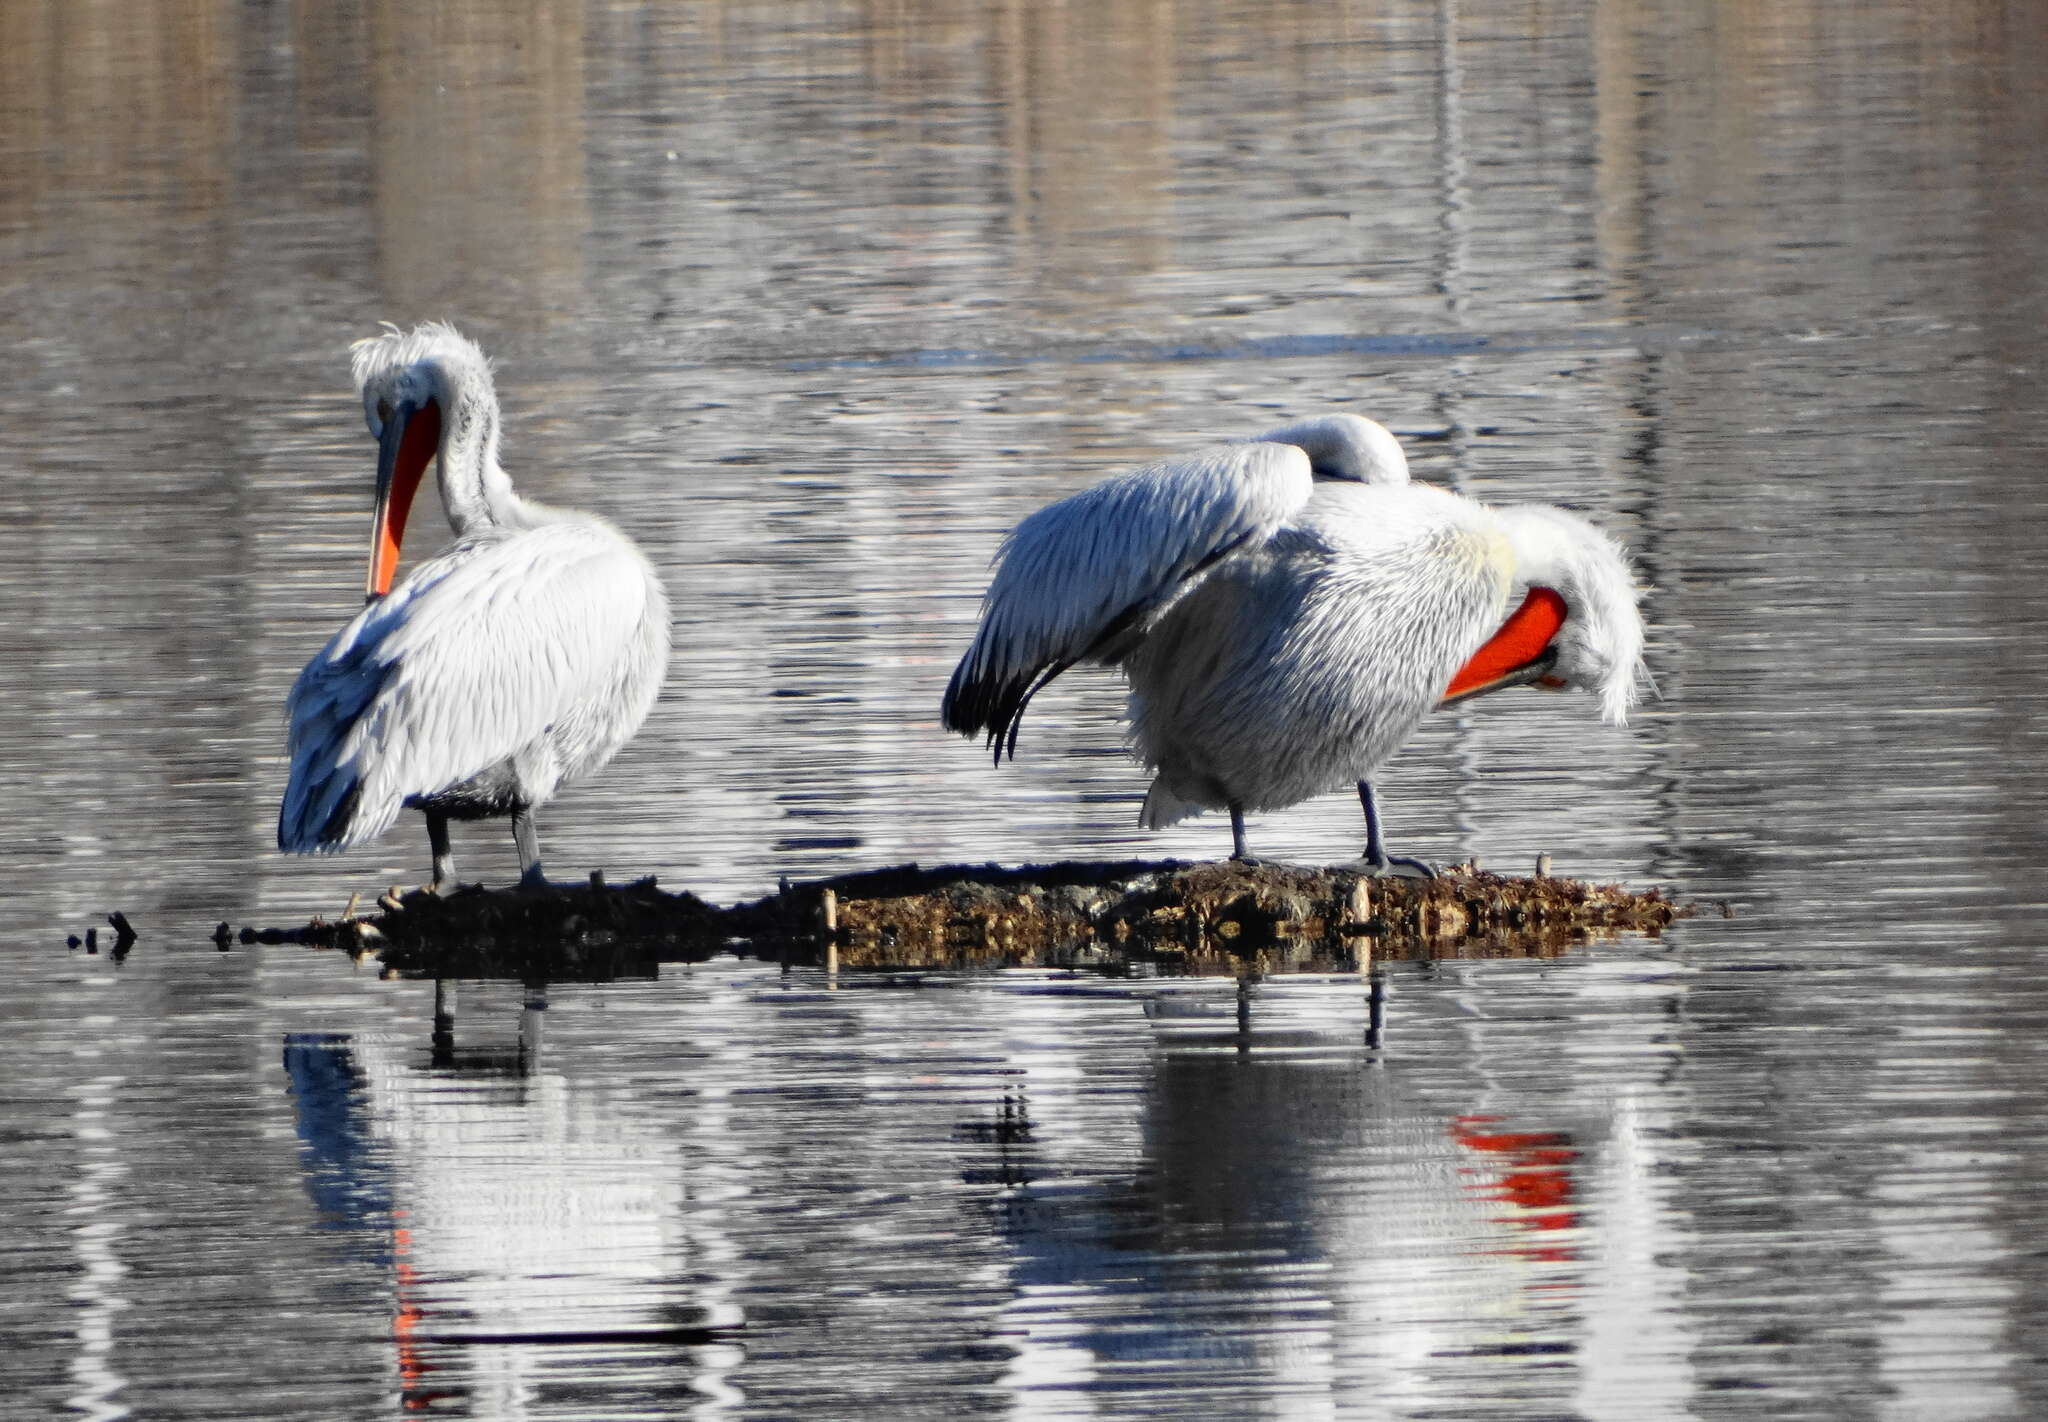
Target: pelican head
{"x": 426, "y": 392}
{"x": 1345, "y": 447}
{"x": 1577, "y": 623}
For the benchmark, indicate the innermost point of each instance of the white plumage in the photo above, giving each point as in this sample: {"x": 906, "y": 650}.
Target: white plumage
{"x": 1085, "y": 579}
{"x": 1287, "y": 610}
{"x": 523, "y": 656}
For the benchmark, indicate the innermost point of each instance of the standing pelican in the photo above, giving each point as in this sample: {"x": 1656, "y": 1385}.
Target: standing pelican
{"x": 1287, "y": 610}
{"x": 524, "y": 655}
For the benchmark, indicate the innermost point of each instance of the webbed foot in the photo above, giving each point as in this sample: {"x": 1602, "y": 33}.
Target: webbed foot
{"x": 1395, "y": 866}
{"x": 1253, "y": 861}
{"x": 532, "y": 881}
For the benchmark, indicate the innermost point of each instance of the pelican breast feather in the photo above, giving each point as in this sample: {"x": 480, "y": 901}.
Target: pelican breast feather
{"x": 538, "y": 654}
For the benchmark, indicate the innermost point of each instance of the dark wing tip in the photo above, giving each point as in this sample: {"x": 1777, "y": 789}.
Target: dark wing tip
{"x": 993, "y": 707}
{"x": 318, "y": 818}
{"x": 961, "y": 711}
{"x": 335, "y": 830}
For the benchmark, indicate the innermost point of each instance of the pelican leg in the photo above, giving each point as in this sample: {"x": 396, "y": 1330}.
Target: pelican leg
{"x": 444, "y": 855}
{"x": 527, "y": 837}
{"x": 1377, "y": 861}
{"x": 1238, "y": 851}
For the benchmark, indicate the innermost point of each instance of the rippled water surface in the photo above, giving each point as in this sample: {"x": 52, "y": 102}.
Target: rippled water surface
{"x": 818, "y": 299}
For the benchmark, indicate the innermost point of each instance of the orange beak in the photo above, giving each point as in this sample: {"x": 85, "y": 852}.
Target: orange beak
{"x": 411, "y": 439}
{"x": 1521, "y": 652}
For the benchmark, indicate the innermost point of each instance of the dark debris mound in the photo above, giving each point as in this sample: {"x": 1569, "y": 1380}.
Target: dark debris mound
{"x": 1223, "y": 912}
{"x": 1197, "y": 917}
{"x": 563, "y": 932}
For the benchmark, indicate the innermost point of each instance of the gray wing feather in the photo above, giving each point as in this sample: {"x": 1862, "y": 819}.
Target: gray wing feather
{"x": 1083, "y": 579}
{"x": 548, "y": 645}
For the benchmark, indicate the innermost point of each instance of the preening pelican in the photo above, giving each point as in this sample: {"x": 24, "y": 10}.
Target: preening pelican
{"x": 522, "y": 656}
{"x": 1287, "y": 610}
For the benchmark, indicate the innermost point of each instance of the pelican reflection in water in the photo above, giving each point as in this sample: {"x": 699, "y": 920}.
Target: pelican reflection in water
{"x": 521, "y": 657}
{"x": 1287, "y": 610}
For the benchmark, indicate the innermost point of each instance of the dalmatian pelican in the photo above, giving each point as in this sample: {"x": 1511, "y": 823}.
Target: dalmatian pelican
{"x": 1286, "y": 610}
{"x": 521, "y": 657}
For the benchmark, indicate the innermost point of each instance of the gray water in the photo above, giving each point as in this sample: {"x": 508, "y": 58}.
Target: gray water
{"x": 817, "y": 300}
